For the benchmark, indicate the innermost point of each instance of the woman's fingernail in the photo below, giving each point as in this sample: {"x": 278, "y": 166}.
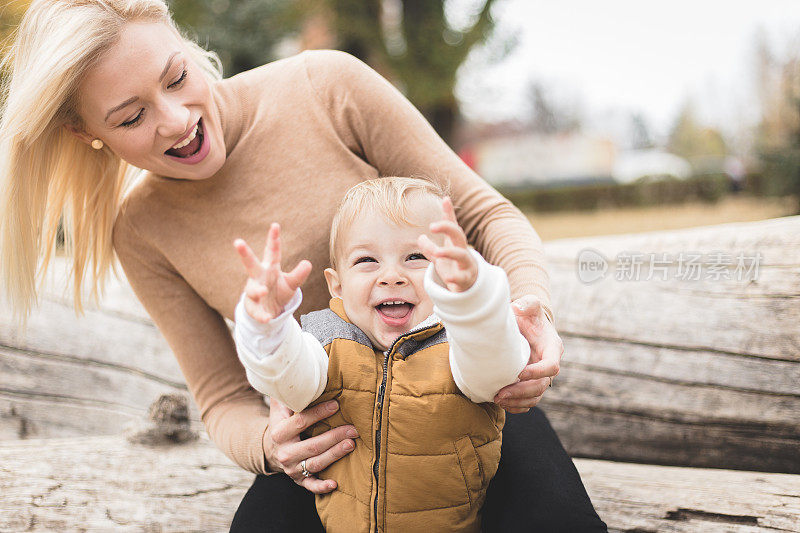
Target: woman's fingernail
{"x": 332, "y": 406}
{"x": 352, "y": 433}
{"x": 347, "y": 445}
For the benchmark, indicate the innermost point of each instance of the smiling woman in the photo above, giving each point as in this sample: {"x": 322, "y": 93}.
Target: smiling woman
{"x": 169, "y": 124}
{"x": 59, "y": 103}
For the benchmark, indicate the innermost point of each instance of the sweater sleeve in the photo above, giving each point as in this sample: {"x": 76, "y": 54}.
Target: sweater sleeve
{"x": 377, "y": 123}
{"x": 280, "y": 360}
{"x": 234, "y": 414}
{"x": 487, "y": 351}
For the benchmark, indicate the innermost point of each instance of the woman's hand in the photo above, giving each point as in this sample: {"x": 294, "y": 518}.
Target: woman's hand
{"x": 268, "y": 288}
{"x": 285, "y": 451}
{"x": 544, "y": 364}
{"x": 453, "y": 263}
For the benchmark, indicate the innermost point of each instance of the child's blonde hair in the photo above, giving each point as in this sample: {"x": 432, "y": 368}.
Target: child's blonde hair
{"x": 388, "y": 196}
{"x": 45, "y": 172}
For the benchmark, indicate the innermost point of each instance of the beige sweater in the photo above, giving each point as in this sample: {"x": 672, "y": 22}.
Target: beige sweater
{"x": 299, "y": 132}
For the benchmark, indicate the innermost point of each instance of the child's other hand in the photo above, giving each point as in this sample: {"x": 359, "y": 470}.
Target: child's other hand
{"x": 453, "y": 262}
{"x": 268, "y": 288}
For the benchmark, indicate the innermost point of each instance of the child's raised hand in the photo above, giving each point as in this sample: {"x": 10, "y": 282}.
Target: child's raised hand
{"x": 453, "y": 262}
{"x": 268, "y": 288}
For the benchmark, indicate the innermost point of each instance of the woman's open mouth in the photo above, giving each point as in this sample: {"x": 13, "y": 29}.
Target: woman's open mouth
{"x": 191, "y": 149}
{"x": 395, "y": 312}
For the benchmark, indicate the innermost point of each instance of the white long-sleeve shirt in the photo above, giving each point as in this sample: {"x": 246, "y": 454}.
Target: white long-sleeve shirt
{"x": 487, "y": 351}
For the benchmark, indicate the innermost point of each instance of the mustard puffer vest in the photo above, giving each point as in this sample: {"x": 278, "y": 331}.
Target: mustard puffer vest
{"x": 425, "y": 453}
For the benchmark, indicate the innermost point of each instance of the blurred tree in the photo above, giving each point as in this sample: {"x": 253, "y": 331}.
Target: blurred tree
{"x": 640, "y": 133}
{"x": 242, "y": 32}
{"x": 691, "y": 140}
{"x": 547, "y": 117}
{"x": 778, "y": 136}
{"x": 10, "y": 15}
{"x": 418, "y": 44}
{"x": 544, "y": 115}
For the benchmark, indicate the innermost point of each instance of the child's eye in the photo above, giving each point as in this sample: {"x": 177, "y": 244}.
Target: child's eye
{"x": 179, "y": 81}
{"x": 365, "y": 259}
{"x": 416, "y": 257}
{"x": 132, "y": 122}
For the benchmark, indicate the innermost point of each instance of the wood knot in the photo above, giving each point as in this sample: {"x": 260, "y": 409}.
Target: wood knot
{"x": 169, "y": 422}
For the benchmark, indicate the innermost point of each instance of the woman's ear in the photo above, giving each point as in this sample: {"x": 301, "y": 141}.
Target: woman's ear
{"x": 79, "y": 133}
{"x": 334, "y": 286}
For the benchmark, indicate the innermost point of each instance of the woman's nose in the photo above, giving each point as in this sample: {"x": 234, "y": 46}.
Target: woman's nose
{"x": 174, "y": 120}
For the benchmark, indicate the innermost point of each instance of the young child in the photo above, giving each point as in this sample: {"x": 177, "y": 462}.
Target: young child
{"x": 418, "y": 339}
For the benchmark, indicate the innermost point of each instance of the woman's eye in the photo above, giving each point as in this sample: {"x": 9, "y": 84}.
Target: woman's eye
{"x": 179, "y": 81}
{"x": 417, "y": 257}
{"x": 132, "y": 122}
{"x": 365, "y": 259}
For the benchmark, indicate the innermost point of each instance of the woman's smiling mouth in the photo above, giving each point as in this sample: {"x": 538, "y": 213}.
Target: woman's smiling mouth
{"x": 191, "y": 149}
{"x": 189, "y": 138}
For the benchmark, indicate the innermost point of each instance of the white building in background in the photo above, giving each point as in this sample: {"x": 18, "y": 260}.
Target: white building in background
{"x": 534, "y": 159}
{"x": 522, "y": 160}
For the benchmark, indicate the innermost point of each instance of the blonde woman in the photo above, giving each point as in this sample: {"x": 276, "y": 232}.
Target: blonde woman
{"x": 100, "y": 88}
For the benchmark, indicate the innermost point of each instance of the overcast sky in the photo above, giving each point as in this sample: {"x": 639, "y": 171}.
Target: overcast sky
{"x": 636, "y": 55}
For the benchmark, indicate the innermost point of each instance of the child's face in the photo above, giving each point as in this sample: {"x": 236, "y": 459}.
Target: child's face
{"x": 380, "y": 263}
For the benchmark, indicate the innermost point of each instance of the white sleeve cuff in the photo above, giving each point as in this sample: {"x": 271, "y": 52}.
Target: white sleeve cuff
{"x": 489, "y": 292}
{"x": 487, "y": 351}
{"x": 263, "y": 339}
{"x": 280, "y": 359}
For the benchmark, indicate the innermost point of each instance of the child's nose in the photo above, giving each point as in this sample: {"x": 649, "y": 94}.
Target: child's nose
{"x": 391, "y": 276}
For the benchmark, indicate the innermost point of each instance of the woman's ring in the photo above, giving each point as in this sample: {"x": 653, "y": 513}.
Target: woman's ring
{"x": 305, "y": 471}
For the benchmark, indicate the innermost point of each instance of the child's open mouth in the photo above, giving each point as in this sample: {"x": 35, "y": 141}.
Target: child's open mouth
{"x": 191, "y": 149}
{"x": 395, "y": 312}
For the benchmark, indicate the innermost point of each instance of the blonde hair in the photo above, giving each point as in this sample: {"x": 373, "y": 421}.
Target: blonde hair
{"x": 46, "y": 173}
{"x": 388, "y": 196}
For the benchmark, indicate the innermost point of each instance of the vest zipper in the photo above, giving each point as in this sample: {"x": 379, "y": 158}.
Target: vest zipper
{"x": 381, "y": 394}
{"x": 376, "y": 466}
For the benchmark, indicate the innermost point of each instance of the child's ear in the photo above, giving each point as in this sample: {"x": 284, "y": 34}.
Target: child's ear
{"x": 334, "y": 286}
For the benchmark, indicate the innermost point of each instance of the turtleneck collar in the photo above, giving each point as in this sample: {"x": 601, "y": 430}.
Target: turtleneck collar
{"x": 228, "y": 98}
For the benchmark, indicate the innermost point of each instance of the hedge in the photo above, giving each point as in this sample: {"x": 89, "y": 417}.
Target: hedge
{"x": 709, "y": 188}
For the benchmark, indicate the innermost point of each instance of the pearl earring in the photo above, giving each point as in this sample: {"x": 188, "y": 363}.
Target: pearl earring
{"x": 97, "y": 144}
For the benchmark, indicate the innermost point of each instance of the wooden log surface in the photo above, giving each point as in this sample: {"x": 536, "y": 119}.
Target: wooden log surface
{"x": 68, "y": 375}
{"x": 647, "y": 498}
{"x": 700, "y": 373}
{"x": 108, "y": 484}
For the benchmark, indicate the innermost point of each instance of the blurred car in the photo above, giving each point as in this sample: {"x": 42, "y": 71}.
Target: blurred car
{"x": 634, "y": 165}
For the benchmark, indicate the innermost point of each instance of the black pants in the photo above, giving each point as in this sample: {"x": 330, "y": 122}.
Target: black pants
{"x": 536, "y": 489}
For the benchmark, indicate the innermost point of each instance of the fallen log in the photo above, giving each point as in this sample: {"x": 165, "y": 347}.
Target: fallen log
{"x": 108, "y": 484}
{"x": 648, "y": 498}
{"x": 95, "y": 374}
{"x": 694, "y": 372}
{"x": 667, "y": 370}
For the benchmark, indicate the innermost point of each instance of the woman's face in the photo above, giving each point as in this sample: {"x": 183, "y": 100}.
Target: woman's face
{"x": 152, "y": 105}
